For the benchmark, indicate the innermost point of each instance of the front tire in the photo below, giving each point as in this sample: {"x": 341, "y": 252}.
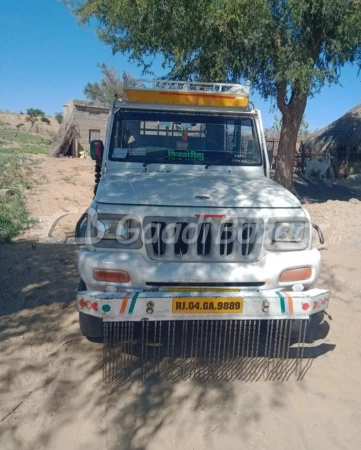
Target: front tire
{"x": 90, "y": 327}
{"x": 317, "y": 328}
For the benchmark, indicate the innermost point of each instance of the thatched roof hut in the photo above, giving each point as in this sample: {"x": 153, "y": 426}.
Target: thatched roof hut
{"x": 341, "y": 138}
{"x": 63, "y": 141}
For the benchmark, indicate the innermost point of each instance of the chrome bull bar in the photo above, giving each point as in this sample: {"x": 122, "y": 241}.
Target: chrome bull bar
{"x": 208, "y": 334}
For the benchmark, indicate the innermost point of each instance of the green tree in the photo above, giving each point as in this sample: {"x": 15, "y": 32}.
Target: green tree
{"x": 303, "y": 130}
{"x": 288, "y": 48}
{"x": 33, "y": 115}
{"x": 109, "y": 87}
{"x": 59, "y": 117}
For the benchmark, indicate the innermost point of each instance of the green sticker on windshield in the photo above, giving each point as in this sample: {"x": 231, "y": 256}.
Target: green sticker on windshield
{"x": 185, "y": 156}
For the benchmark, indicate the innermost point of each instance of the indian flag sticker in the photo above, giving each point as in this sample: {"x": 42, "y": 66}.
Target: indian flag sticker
{"x": 286, "y": 302}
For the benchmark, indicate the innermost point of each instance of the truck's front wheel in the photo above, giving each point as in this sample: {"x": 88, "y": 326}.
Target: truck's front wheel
{"x": 317, "y": 328}
{"x": 90, "y": 327}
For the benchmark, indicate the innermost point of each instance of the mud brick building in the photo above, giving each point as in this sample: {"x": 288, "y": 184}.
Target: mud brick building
{"x": 89, "y": 120}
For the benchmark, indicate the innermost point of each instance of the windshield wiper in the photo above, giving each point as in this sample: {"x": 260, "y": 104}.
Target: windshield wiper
{"x": 154, "y": 161}
{"x": 225, "y": 158}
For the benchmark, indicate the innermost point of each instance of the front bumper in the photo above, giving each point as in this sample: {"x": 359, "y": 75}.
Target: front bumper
{"x": 144, "y": 272}
{"x": 160, "y": 305}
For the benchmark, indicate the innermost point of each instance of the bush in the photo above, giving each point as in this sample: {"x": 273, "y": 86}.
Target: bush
{"x": 59, "y": 117}
{"x": 14, "y": 217}
{"x": 45, "y": 120}
{"x": 14, "y": 174}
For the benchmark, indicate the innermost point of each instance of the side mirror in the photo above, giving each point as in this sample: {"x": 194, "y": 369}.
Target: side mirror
{"x": 96, "y": 150}
{"x": 270, "y": 156}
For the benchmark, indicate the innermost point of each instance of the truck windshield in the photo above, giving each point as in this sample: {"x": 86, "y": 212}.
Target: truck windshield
{"x": 184, "y": 138}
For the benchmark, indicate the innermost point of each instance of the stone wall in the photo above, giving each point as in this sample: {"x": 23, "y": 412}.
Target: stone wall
{"x": 90, "y": 119}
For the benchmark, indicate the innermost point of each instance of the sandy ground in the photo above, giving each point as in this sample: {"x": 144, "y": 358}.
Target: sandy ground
{"x": 51, "y": 390}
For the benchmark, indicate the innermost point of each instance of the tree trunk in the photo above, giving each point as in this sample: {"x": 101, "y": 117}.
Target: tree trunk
{"x": 292, "y": 114}
{"x": 286, "y": 153}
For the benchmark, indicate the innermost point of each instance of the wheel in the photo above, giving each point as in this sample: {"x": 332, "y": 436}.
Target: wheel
{"x": 317, "y": 328}
{"x": 90, "y": 327}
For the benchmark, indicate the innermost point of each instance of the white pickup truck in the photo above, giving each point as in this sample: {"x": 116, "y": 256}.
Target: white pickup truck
{"x": 186, "y": 224}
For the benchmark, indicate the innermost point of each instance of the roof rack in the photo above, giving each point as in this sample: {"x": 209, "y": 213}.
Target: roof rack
{"x": 186, "y": 93}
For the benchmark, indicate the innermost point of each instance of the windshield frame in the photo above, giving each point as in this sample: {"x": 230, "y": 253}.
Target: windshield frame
{"x": 234, "y": 115}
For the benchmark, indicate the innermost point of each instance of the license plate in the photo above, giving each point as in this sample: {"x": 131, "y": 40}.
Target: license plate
{"x": 224, "y": 305}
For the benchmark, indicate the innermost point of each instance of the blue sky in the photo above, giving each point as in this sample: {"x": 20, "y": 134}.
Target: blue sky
{"x": 46, "y": 59}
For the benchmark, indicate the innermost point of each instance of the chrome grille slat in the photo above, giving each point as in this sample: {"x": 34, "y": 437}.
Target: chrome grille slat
{"x": 247, "y": 240}
{"x": 169, "y": 247}
{"x": 215, "y": 248}
{"x": 226, "y": 247}
{"x": 204, "y": 239}
{"x": 180, "y": 248}
{"x": 208, "y": 241}
{"x": 159, "y": 241}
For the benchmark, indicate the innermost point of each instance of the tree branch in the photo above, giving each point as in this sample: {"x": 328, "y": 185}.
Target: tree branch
{"x": 12, "y": 411}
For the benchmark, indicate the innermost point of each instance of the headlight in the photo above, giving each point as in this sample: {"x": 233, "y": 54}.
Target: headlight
{"x": 124, "y": 230}
{"x": 115, "y": 229}
{"x": 287, "y": 235}
{"x": 109, "y": 230}
{"x": 289, "y": 232}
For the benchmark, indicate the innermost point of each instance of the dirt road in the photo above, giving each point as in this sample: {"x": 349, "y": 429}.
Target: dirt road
{"x": 51, "y": 392}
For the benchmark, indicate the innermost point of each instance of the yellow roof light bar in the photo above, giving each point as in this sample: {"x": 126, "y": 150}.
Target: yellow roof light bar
{"x": 186, "y": 93}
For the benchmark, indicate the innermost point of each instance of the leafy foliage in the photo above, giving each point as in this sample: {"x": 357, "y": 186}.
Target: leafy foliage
{"x": 109, "y": 87}
{"x": 300, "y": 44}
{"x": 14, "y": 218}
{"x": 33, "y": 115}
{"x": 59, "y": 117}
{"x": 288, "y": 48}
{"x": 45, "y": 120}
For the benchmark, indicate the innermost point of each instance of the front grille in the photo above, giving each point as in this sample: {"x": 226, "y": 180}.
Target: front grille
{"x": 157, "y": 242}
{"x": 204, "y": 239}
{"x": 191, "y": 240}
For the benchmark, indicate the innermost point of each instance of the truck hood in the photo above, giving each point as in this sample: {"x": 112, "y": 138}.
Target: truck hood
{"x": 190, "y": 189}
